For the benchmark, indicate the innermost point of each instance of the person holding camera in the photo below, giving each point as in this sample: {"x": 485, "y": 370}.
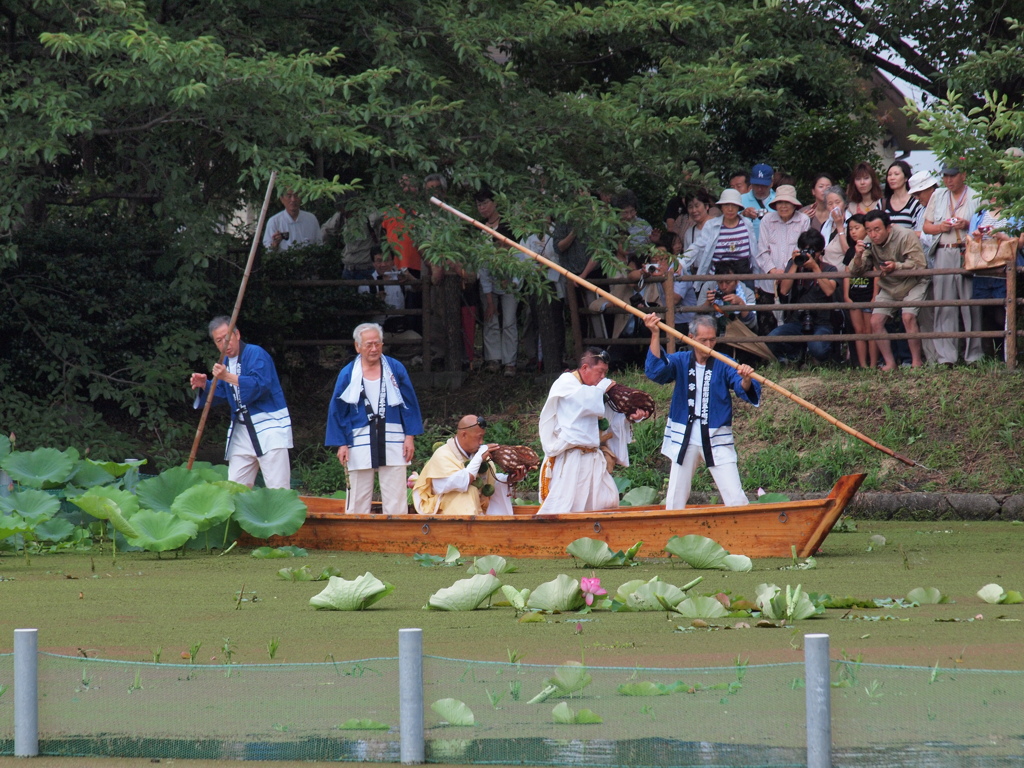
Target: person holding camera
{"x": 821, "y": 290}
{"x": 896, "y": 252}
{"x": 291, "y": 227}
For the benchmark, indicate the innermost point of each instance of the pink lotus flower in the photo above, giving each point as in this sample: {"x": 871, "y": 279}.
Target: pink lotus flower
{"x": 411, "y": 480}
{"x": 592, "y": 588}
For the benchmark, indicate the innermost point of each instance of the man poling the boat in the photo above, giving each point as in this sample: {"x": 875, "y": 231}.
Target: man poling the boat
{"x": 583, "y": 438}
{"x": 461, "y": 479}
{"x": 699, "y": 421}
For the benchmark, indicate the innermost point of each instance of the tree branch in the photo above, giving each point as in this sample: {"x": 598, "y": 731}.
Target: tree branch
{"x": 144, "y": 127}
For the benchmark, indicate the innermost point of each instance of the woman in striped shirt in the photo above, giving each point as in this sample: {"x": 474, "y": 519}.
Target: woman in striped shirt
{"x": 901, "y": 207}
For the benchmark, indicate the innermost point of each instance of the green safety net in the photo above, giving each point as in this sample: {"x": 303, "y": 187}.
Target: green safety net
{"x": 513, "y": 713}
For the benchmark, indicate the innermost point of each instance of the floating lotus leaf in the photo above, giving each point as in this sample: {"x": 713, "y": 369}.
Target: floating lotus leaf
{"x": 597, "y": 554}
{"x": 644, "y": 689}
{"x": 43, "y": 466}
{"x": 272, "y": 553}
{"x": 654, "y": 595}
{"x": 205, "y": 505}
{"x": 57, "y": 529}
{"x": 32, "y": 506}
{"x": 701, "y": 608}
{"x": 562, "y": 715}
{"x": 516, "y": 598}
{"x": 465, "y": 594}
{"x": 364, "y": 724}
{"x": 740, "y": 563}
{"x": 926, "y": 596}
{"x": 266, "y": 512}
{"x": 559, "y": 595}
{"x": 453, "y": 712}
{"x": 356, "y": 595}
{"x": 489, "y": 563}
{"x": 992, "y": 594}
{"x": 697, "y": 551}
{"x": 160, "y": 531}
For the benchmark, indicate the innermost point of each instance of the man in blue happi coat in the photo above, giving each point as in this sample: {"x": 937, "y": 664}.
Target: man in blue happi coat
{"x": 372, "y": 418}
{"x": 260, "y": 433}
{"x": 700, "y": 417}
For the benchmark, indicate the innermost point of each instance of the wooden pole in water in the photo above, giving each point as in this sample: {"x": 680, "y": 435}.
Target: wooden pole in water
{"x": 257, "y": 237}
{"x": 673, "y": 332}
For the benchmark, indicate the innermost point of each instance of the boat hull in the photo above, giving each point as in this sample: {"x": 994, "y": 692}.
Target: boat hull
{"x": 755, "y": 530}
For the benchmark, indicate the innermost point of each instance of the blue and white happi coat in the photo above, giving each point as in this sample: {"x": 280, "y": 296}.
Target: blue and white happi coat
{"x": 259, "y": 389}
{"x": 675, "y": 367}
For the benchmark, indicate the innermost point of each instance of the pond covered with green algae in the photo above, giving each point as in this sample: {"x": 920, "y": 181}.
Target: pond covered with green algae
{"x": 144, "y": 605}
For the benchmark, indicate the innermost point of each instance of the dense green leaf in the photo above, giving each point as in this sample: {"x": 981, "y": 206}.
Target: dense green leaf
{"x": 160, "y": 531}
{"x": 356, "y": 595}
{"x": 465, "y": 594}
{"x": 43, "y": 466}
{"x": 266, "y": 512}
{"x": 160, "y": 492}
{"x": 205, "y": 505}
{"x": 559, "y": 595}
{"x": 32, "y": 506}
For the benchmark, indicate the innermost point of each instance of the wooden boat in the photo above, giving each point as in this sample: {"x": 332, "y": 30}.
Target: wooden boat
{"x": 755, "y": 530}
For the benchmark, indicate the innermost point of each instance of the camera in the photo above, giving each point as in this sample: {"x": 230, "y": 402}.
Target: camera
{"x": 867, "y": 246}
{"x": 762, "y": 213}
{"x": 806, "y": 322}
{"x": 719, "y": 296}
{"x": 650, "y": 269}
{"x": 801, "y": 258}
{"x": 285, "y": 235}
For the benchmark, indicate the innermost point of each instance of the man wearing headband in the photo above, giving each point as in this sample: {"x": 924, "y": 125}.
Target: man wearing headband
{"x": 580, "y": 449}
{"x": 459, "y": 478}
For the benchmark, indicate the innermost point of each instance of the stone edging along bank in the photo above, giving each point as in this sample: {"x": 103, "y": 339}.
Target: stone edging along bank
{"x": 924, "y": 506}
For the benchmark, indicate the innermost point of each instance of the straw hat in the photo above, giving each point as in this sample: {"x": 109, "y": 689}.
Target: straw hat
{"x": 786, "y": 193}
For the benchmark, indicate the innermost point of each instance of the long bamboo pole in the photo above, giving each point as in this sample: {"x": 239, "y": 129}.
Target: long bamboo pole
{"x": 673, "y": 332}
{"x": 257, "y": 238}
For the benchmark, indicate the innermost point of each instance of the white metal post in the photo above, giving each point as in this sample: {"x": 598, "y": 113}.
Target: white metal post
{"x": 819, "y": 702}
{"x": 410, "y": 686}
{"x": 26, "y": 692}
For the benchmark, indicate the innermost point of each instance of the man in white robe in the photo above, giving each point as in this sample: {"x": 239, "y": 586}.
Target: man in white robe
{"x": 579, "y": 454}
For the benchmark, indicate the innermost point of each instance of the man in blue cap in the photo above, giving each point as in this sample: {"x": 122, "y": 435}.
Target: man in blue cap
{"x": 757, "y": 201}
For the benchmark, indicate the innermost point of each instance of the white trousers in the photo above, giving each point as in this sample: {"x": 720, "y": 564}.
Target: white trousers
{"x": 726, "y": 477}
{"x": 392, "y": 491}
{"x": 244, "y": 464}
{"x": 501, "y": 334}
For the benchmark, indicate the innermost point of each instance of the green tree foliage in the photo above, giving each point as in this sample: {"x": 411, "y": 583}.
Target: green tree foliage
{"x": 137, "y": 121}
{"x": 975, "y": 136}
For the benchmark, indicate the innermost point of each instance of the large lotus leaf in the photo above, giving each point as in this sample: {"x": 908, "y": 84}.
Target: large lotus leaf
{"x": 739, "y": 563}
{"x": 266, "y": 512}
{"x": 231, "y": 486}
{"x": 356, "y": 595}
{"x": 57, "y": 529}
{"x": 87, "y": 473}
{"x": 701, "y": 608}
{"x": 453, "y": 712}
{"x": 211, "y": 473}
{"x": 992, "y": 594}
{"x": 489, "y": 563}
{"x": 116, "y": 468}
{"x": 127, "y": 502}
{"x": 926, "y": 596}
{"x": 465, "y": 594}
{"x": 99, "y": 503}
{"x": 698, "y": 551}
{"x": 631, "y": 586}
{"x": 557, "y": 596}
{"x": 5, "y": 446}
{"x": 159, "y": 531}
{"x": 641, "y": 496}
{"x": 654, "y": 596}
{"x": 43, "y": 466}
{"x": 517, "y": 599}
{"x": 11, "y": 525}
{"x": 160, "y": 492}
{"x": 32, "y": 506}
{"x": 205, "y": 505}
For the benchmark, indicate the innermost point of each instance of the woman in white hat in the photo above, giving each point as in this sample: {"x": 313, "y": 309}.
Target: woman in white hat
{"x": 726, "y": 239}
{"x": 779, "y": 232}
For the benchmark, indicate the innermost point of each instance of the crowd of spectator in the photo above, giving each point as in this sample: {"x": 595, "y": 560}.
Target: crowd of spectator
{"x": 878, "y": 231}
